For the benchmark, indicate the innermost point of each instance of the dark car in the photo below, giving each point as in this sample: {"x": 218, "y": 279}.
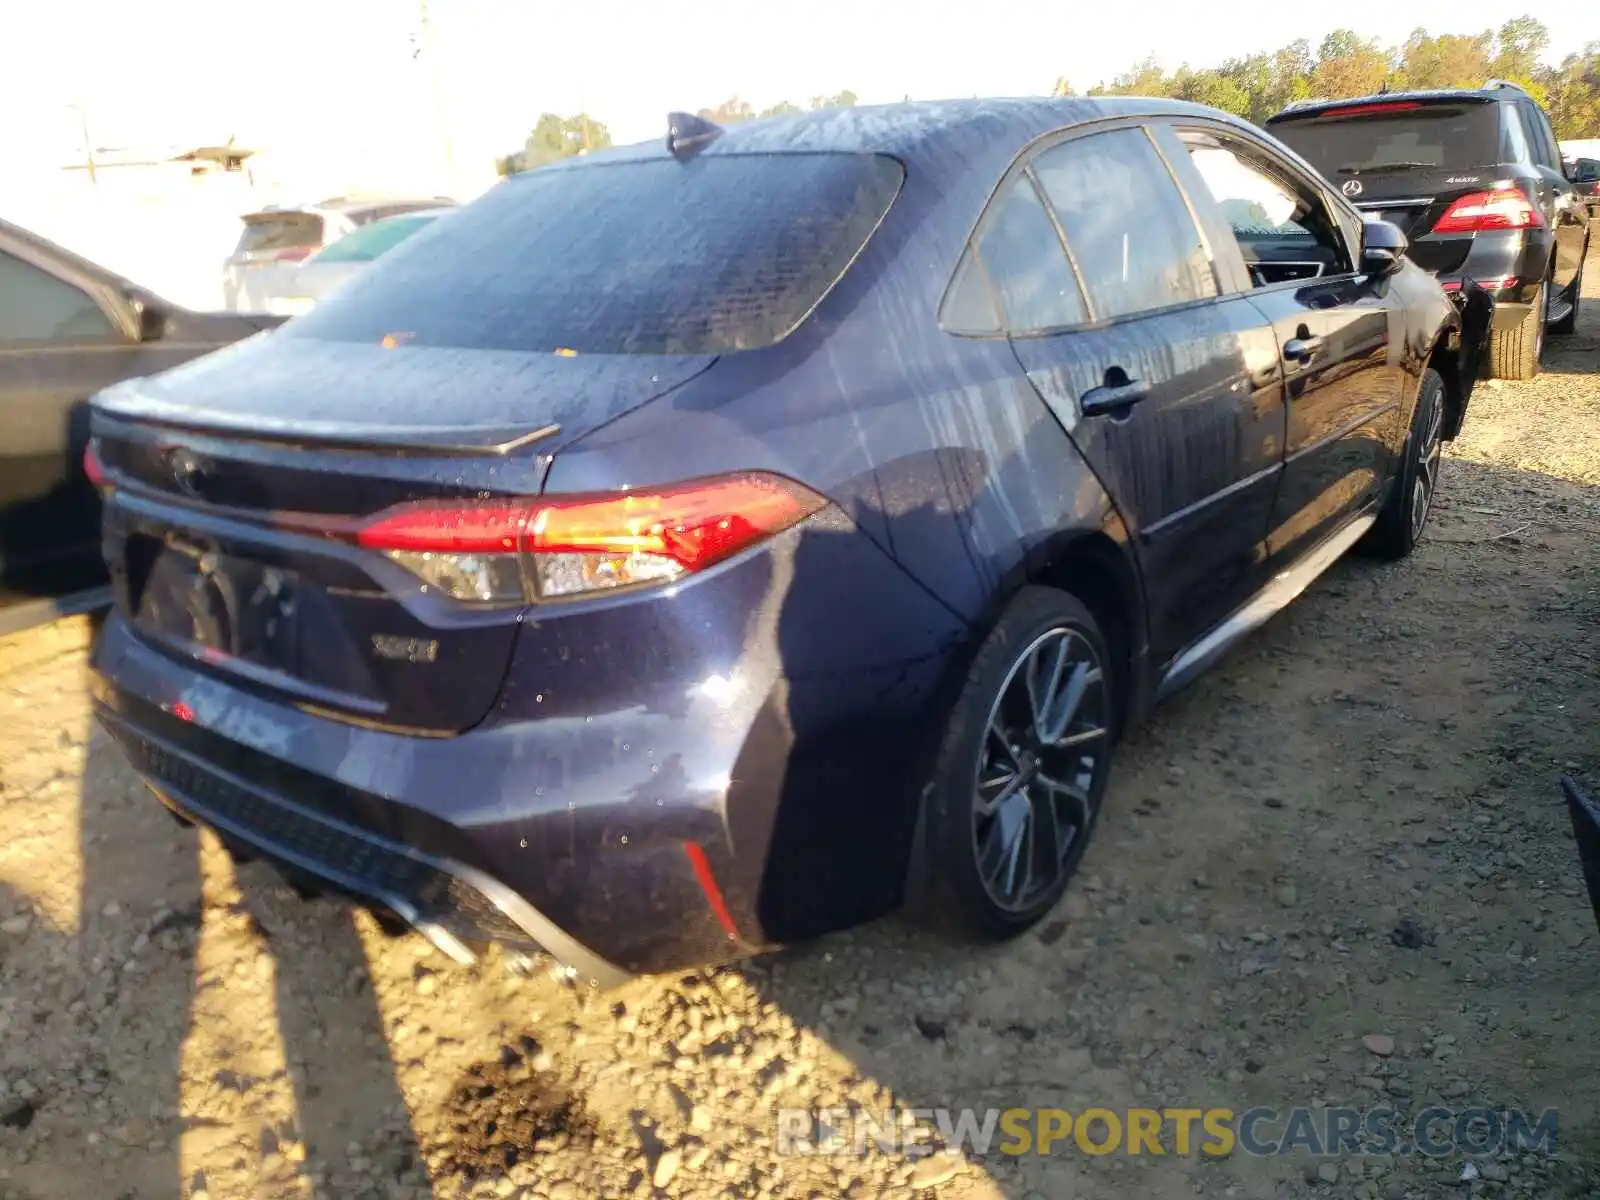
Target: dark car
{"x": 67, "y": 329}
{"x": 690, "y": 548}
{"x": 1585, "y": 176}
{"x": 1474, "y": 178}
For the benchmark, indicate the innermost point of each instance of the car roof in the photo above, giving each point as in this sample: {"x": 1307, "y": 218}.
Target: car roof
{"x": 355, "y": 204}
{"x": 911, "y": 129}
{"x": 15, "y": 237}
{"x": 411, "y": 215}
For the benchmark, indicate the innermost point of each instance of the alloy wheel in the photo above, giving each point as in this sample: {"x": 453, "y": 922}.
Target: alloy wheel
{"x": 1035, "y": 789}
{"x": 1427, "y": 474}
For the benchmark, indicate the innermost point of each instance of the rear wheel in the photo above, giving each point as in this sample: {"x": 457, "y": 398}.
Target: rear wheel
{"x": 1022, "y": 768}
{"x": 1514, "y": 353}
{"x": 1405, "y": 513}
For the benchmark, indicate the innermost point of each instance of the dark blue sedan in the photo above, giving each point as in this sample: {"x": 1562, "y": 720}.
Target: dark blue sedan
{"x": 695, "y": 547}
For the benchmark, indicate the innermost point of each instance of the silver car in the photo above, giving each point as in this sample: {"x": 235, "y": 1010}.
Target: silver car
{"x": 275, "y": 241}
{"x": 304, "y": 285}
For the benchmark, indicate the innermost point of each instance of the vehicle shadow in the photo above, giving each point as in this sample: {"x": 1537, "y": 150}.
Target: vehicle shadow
{"x": 157, "y": 1042}
{"x": 285, "y": 1070}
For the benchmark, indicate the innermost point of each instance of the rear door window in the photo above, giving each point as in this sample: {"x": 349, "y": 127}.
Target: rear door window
{"x": 35, "y": 306}
{"x": 1128, "y": 230}
{"x": 636, "y": 256}
{"x": 1518, "y": 146}
{"x": 1015, "y": 275}
{"x": 1541, "y": 137}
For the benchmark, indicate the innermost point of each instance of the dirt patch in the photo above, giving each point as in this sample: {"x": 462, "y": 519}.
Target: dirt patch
{"x": 505, "y": 1112}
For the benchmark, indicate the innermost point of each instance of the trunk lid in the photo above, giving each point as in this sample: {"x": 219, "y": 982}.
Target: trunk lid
{"x": 392, "y": 397}
{"x": 240, "y": 524}
{"x": 238, "y": 482}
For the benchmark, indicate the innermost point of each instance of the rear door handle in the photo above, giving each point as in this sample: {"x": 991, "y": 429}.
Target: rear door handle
{"x": 1302, "y": 349}
{"x": 1111, "y": 398}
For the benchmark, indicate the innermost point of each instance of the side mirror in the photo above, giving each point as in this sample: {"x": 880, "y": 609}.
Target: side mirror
{"x": 1383, "y": 247}
{"x": 152, "y": 318}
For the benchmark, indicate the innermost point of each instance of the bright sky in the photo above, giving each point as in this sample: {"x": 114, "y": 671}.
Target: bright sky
{"x": 326, "y": 73}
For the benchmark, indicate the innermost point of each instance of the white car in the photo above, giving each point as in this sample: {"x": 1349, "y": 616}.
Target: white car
{"x": 300, "y": 288}
{"x": 275, "y": 241}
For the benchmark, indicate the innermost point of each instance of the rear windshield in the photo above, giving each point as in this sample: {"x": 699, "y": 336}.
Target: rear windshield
{"x": 725, "y": 252}
{"x": 1448, "y": 137}
{"x": 279, "y": 231}
{"x": 368, "y": 242}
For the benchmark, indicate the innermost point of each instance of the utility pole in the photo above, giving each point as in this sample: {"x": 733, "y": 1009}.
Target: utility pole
{"x": 88, "y": 144}
{"x": 432, "y": 66}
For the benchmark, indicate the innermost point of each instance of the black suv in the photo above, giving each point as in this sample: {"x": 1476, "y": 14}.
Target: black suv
{"x": 1474, "y": 178}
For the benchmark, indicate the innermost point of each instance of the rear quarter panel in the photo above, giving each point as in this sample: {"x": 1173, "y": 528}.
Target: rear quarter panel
{"x": 951, "y": 484}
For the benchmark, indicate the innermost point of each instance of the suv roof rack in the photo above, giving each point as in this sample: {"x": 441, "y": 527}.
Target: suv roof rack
{"x": 1495, "y": 85}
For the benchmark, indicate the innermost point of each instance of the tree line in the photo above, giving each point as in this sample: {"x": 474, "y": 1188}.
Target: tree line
{"x": 555, "y": 137}
{"x": 1254, "y": 86}
{"x": 1346, "y": 64}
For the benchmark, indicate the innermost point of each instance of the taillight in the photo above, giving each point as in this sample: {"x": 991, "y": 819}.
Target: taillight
{"x": 1498, "y": 284}
{"x": 1367, "y": 110}
{"x": 1502, "y": 208}
{"x": 521, "y": 550}
{"x": 292, "y": 253}
{"x": 93, "y": 467}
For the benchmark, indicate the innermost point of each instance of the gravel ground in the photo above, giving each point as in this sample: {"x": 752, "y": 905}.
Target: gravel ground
{"x": 1335, "y": 871}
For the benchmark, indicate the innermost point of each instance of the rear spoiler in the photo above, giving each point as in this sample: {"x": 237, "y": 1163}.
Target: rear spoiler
{"x": 1306, "y": 110}
{"x": 395, "y": 441}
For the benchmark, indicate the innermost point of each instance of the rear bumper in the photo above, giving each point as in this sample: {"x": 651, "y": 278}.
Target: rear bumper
{"x": 1510, "y": 263}
{"x": 667, "y": 780}
{"x": 449, "y": 902}
{"x": 456, "y": 835}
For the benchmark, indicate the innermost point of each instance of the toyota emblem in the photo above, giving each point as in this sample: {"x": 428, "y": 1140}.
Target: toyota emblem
{"x": 1351, "y": 187}
{"x": 188, "y": 471}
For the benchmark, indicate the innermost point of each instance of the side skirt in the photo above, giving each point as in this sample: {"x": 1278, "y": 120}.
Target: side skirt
{"x": 1276, "y": 595}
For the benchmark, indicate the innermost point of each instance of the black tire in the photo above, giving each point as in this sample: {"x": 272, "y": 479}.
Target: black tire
{"x": 1400, "y": 524}
{"x": 1012, "y": 771}
{"x": 1569, "y": 323}
{"x": 1514, "y": 353}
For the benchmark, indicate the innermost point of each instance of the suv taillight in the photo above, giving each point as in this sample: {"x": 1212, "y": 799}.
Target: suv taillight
{"x": 1502, "y": 208}
{"x": 516, "y": 551}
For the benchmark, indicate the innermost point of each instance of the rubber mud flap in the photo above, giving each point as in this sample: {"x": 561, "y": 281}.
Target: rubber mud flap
{"x": 1477, "y": 315}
